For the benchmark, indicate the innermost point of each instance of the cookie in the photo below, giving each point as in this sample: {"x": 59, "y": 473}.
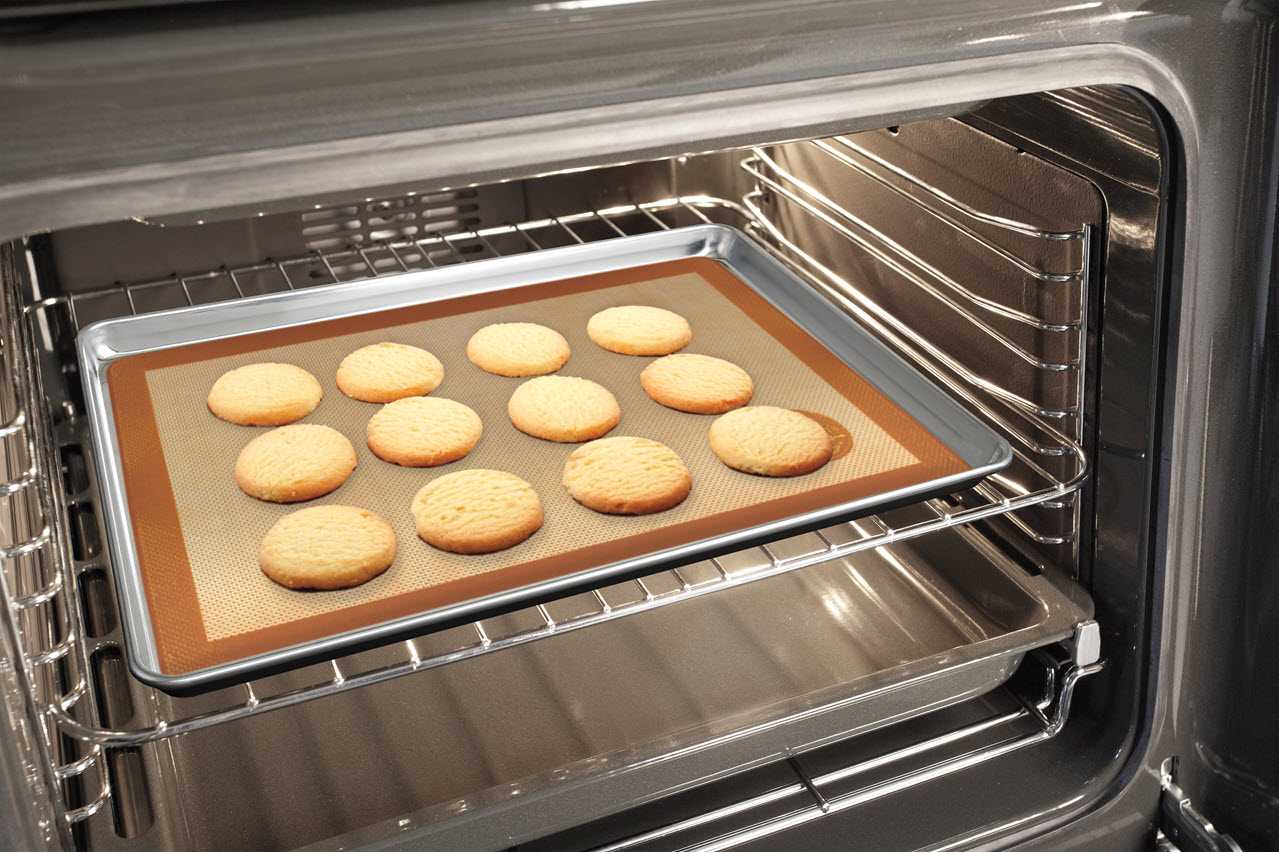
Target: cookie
{"x": 265, "y": 394}
{"x": 476, "y": 511}
{"x": 563, "y": 408}
{"x": 770, "y": 441}
{"x": 517, "y": 349}
{"x": 380, "y": 373}
{"x": 294, "y": 463}
{"x": 624, "y": 475}
{"x": 639, "y": 330}
{"x": 422, "y": 432}
{"x": 701, "y": 384}
{"x": 327, "y": 547}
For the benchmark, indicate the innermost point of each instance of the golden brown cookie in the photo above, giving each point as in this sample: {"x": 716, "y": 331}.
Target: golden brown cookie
{"x": 517, "y": 349}
{"x": 701, "y": 384}
{"x": 476, "y": 511}
{"x": 265, "y": 394}
{"x": 423, "y": 432}
{"x": 770, "y": 441}
{"x": 380, "y": 373}
{"x": 639, "y": 330}
{"x": 563, "y": 408}
{"x": 624, "y": 475}
{"x": 294, "y": 463}
{"x": 327, "y": 547}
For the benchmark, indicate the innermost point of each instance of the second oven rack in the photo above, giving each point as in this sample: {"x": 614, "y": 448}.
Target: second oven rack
{"x": 45, "y": 586}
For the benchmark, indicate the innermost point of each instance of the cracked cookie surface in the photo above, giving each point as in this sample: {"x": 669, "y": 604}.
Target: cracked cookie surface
{"x": 422, "y": 432}
{"x": 639, "y": 330}
{"x": 771, "y": 441}
{"x": 563, "y": 408}
{"x": 265, "y": 394}
{"x": 476, "y": 511}
{"x": 384, "y": 372}
{"x": 700, "y": 384}
{"x": 294, "y": 463}
{"x": 626, "y": 475}
{"x": 518, "y": 349}
{"x": 327, "y": 547}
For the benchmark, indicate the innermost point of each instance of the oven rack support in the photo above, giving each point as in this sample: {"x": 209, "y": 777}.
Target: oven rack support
{"x": 45, "y": 590}
{"x": 1020, "y": 418}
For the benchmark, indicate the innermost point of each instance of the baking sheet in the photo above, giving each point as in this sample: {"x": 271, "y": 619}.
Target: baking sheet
{"x": 195, "y": 535}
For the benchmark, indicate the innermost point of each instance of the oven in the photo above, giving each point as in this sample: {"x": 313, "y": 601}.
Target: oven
{"x": 1060, "y": 214}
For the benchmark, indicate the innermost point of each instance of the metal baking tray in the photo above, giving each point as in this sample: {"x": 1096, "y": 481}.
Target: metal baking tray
{"x": 198, "y": 615}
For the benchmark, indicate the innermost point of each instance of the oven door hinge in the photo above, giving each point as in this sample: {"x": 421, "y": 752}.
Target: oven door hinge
{"x": 1181, "y": 827}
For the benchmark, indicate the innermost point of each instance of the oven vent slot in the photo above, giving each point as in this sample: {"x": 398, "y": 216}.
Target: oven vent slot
{"x": 388, "y": 220}
{"x": 380, "y": 220}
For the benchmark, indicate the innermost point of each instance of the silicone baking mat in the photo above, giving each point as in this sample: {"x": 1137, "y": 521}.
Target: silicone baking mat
{"x": 197, "y": 534}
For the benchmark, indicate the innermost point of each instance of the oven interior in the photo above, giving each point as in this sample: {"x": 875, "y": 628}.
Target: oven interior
{"x": 1011, "y": 253}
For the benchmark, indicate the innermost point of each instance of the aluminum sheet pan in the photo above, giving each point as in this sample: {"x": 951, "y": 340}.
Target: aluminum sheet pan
{"x": 183, "y": 539}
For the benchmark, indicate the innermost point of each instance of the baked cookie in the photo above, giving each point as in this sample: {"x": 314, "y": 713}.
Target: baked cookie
{"x": 422, "y": 432}
{"x": 701, "y": 384}
{"x": 517, "y": 349}
{"x": 294, "y": 463}
{"x": 639, "y": 330}
{"x": 476, "y": 511}
{"x": 624, "y": 475}
{"x": 327, "y": 547}
{"x": 380, "y": 373}
{"x": 563, "y": 408}
{"x": 265, "y": 394}
{"x": 770, "y": 441}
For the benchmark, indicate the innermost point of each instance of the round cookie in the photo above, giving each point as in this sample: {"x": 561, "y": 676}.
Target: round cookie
{"x": 380, "y": 373}
{"x": 476, "y": 511}
{"x": 625, "y": 475}
{"x": 639, "y": 330}
{"x": 294, "y": 463}
{"x": 422, "y": 432}
{"x": 701, "y": 384}
{"x": 327, "y": 547}
{"x": 265, "y": 394}
{"x": 563, "y": 408}
{"x": 770, "y": 441}
{"x": 517, "y": 349}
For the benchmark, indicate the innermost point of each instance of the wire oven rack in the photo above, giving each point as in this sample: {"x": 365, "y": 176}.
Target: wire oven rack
{"x": 45, "y": 570}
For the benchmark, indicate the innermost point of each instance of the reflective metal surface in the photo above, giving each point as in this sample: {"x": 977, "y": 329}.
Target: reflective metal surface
{"x": 984, "y": 451}
{"x": 494, "y": 89}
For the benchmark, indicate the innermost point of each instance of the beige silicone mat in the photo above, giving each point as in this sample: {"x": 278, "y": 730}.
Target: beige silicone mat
{"x": 239, "y": 610}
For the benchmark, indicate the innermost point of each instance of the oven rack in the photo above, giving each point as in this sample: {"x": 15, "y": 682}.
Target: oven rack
{"x": 43, "y": 587}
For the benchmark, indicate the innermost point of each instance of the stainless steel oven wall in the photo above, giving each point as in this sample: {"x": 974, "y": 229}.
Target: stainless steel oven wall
{"x": 146, "y": 115}
{"x": 1108, "y": 140}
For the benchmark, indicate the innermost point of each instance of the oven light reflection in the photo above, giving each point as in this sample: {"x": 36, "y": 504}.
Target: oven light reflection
{"x": 1060, "y": 10}
{"x": 571, "y": 5}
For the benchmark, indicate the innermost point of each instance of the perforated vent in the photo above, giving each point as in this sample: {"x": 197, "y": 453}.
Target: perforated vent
{"x": 380, "y": 220}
